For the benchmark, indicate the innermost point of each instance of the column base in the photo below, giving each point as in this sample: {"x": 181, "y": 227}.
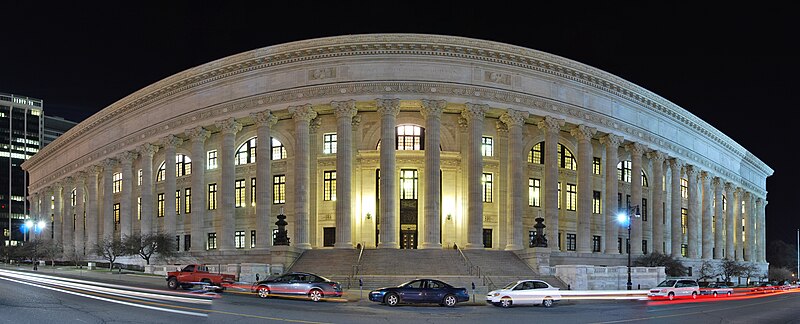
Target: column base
{"x": 343, "y": 245}
{"x": 513, "y": 247}
{"x": 304, "y": 246}
{"x": 589, "y": 251}
{"x": 473, "y": 246}
{"x": 389, "y": 245}
{"x": 430, "y": 246}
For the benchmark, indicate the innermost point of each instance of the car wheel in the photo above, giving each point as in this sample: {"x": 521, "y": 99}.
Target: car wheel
{"x": 671, "y": 296}
{"x": 694, "y": 295}
{"x": 729, "y": 294}
{"x": 449, "y": 301}
{"x": 263, "y": 291}
{"x": 172, "y": 283}
{"x": 505, "y": 302}
{"x": 715, "y": 294}
{"x": 547, "y": 302}
{"x": 315, "y": 295}
{"x": 391, "y": 299}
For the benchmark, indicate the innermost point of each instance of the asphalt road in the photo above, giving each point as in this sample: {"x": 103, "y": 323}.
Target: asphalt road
{"x": 27, "y": 299}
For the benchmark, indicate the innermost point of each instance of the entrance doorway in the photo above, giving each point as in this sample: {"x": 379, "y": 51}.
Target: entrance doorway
{"x": 409, "y": 208}
{"x": 328, "y": 236}
{"x": 487, "y": 238}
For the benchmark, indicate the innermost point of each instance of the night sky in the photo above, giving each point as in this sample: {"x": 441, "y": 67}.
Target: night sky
{"x": 734, "y": 67}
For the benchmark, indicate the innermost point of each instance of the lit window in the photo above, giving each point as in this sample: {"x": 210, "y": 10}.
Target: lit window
{"x": 724, "y": 203}
{"x": 211, "y": 163}
{"x": 117, "y": 182}
{"x": 240, "y": 193}
{"x": 183, "y": 166}
{"x": 161, "y": 205}
{"x": 252, "y": 239}
{"x": 278, "y": 150}
{"x": 279, "y": 189}
{"x": 559, "y": 195}
{"x": 329, "y": 143}
{"x": 408, "y": 184}
{"x": 536, "y": 155}
{"x": 684, "y": 219}
{"x": 597, "y": 203}
{"x": 139, "y": 183}
{"x": 486, "y": 182}
{"x": 212, "y": 241}
{"x": 566, "y": 160}
{"x": 239, "y": 239}
{"x": 624, "y": 171}
{"x": 73, "y": 197}
{"x": 644, "y": 209}
{"x": 596, "y": 243}
{"x": 486, "y": 146}
{"x": 116, "y": 216}
{"x": 253, "y": 192}
{"x": 178, "y": 201}
{"x": 684, "y": 188}
{"x": 596, "y": 165}
{"x": 247, "y": 152}
{"x": 410, "y": 137}
{"x": 187, "y": 200}
{"x": 139, "y": 208}
{"x": 572, "y": 196}
{"x": 571, "y": 242}
{"x": 329, "y": 186}
{"x": 684, "y": 250}
{"x": 212, "y": 196}
{"x": 534, "y": 189}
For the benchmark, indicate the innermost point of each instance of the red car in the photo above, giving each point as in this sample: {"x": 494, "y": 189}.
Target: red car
{"x": 197, "y": 273}
{"x": 765, "y": 287}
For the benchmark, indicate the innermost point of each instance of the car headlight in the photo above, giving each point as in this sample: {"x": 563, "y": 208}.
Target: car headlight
{"x": 496, "y": 294}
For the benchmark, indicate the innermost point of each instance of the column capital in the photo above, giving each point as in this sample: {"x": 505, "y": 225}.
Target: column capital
{"x": 109, "y": 164}
{"x": 171, "y": 141}
{"x": 148, "y": 150}
{"x": 729, "y": 187}
{"x": 738, "y": 192}
{"x": 302, "y": 113}
{"x": 127, "y": 157}
{"x": 611, "y": 140}
{"x": 197, "y": 134}
{"x": 514, "y": 118}
{"x": 759, "y": 201}
{"x": 676, "y": 163}
{"x": 314, "y": 125}
{"x": 705, "y": 175}
{"x": 717, "y": 182}
{"x": 502, "y": 128}
{"x": 583, "y": 133}
{"x": 67, "y": 182}
{"x": 463, "y": 124}
{"x": 692, "y": 171}
{"x": 636, "y": 149}
{"x": 356, "y": 121}
{"x": 747, "y": 194}
{"x": 264, "y": 118}
{"x": 550, "y": 124}
{"x": 388, "y": 106}
{"x": 228, "y": 126}
{"x": 474, "y": 111}
{"x": 344, "y": 109}
{"x": 432, "y": 108}
{"x": 80, "y": 177}
{"x": 656, "y": 156}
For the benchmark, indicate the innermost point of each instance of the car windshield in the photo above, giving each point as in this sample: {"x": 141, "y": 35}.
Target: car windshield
{"x": 511, "y": 285}
{"x": 666, "y": 283}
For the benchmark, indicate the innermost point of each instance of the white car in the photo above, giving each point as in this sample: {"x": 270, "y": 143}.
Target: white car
{"x": 524, "y": 292}
{"x": 675, "y": 288}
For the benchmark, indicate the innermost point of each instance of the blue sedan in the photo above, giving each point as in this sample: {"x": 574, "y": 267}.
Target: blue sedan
{"x": 430, "y": 291}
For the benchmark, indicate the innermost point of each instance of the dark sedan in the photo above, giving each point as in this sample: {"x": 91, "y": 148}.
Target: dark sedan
{"x": 430, "y": 291}
{"x": 298, "y": 284}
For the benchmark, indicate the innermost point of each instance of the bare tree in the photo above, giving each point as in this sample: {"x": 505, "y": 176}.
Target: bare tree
{"x": 51, "y": 251}
{"x": 707, "y": 271}
{"x": 750, "y": 270}
{"x": 672, "y": 266}
{"x": 72, "y": 254}
{"x": 730, "y": 268}
{"x": 110, "y": 249}
{"x": 779, "y": 273}
{"x": 147, "y": 245}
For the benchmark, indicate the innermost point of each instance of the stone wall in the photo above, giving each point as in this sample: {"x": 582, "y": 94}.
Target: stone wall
{"x": 588, "y": 277}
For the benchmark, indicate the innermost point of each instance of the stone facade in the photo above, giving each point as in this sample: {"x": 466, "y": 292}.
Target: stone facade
{"x": 314, "y": 118}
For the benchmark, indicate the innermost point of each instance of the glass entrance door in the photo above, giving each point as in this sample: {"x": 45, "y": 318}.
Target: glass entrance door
{"x": 409, "y": 209}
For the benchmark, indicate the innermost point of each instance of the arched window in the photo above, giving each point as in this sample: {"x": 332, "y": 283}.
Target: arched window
{"x": 624, "y": 172}
{"x": 183, "y": 167}
{"x": 566, "y": 160}
{"x": 408, "y": 138}
{"x": 247, "y": 152}
{"x": 278, "y": 150}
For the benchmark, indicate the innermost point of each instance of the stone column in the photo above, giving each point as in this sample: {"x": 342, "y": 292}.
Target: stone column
{"x": 313, "y": 153}
{"x": 612, "y": 143}
{"x": 676, "y": 231}
{"x": 45, "y": 211}
{"x": 302, "y": 115}
{"x": 474, "y": 114}
{"x": 170, "y": 143}
{"x": 719, "y": 217}
{"x": 58, "y": 212}
{"x": 33, "y": 201}
{"x": 757, "y": 233}
{"x": 198, "y": 137}
{"x": 762, "y": 230}
{"x": 636, "y": 150}
{"x": 749, "y": 240}
{"x": 127, "y": 208}
{"x": 344, "y": 112}
{"x": 432, "y": 112}
{"x": 730, "y": 247}
{"x": 694, "y": 222}
{"x": 584, "y": 135}
{"x": 79, "y": 234}
{"x": 108, "y": 198}
{"x": 737, "y": 223}
{"x": 146, "y": 152}
{"x": 657, "y": 159}
{"x": 92, "y": 210}
{"x": 226, "y": 215}
{"x": 517, "y": 180}
{"x": 68, "y": 214}
{"x": 551, "y": 127}
{"x": 707, "y": 224}
{"x": 389, "y": 235}
{"x": 264, "y": 122}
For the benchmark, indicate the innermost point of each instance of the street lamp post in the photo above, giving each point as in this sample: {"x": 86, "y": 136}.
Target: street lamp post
{"x": 626, "y": 218}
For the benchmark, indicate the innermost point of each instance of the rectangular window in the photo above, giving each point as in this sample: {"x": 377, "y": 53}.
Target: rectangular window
{"x": 408, "y": 183}
{"x": 239, "y": 193}
{"x": 278, "y": 150}
{"x": 117, "y": 182}
{"x": 684, "y": 188}
{"x": 252, "y": 239}
{"x": 619, "y": 245}
{"x": 409, "y": 137}
{"x": 187, "y": 242}
{"x": 570, "y": 242}
{"x": 183, "y": 165}
{"x": 212, "y": 160}
{"x": 559, "y": 195}
{"x": 238, "y": 239}
{"x": 139, "y": 208}
{"x": 713, "y": 224}
{"x": 178, "y": 201}
{"x": 116, "y": 216}
{"x": 329, "y": 186}
{"x": 619, "y": 202}
{"x": 596, "y": 243}
{"x": 597, "y": 202}
{"x": 534, "y": 189}
{"x": 160, "y": 205}
{"x": 212, "y": 196}
{"x": 572, "y": 196}
{"x": 644, "y": 246}
{"x": 329, "y": 143}
{"x": 644, "y": 209}
{"x": 596, "y": 165}
{"x": 279, "y": 189}
{"x": 486, "y": 181}
{"x": 187, "y": 200}
{"x": 684, "y": 218}
{"x": 664, "y": 212}
{"x": 487, "y": 148}
{"x": 177, "y": 243}
{"x": 253, "y": 192}
{"x": 140, "y": 178}
{"x": 684, "y": 250}
{"x": 212, "y": 241}
{"x": 73, "y": 197}
{"x": 536, "y": 155}
{"x": 624, "y": 171}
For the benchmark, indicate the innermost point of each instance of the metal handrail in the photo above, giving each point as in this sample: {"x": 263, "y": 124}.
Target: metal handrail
{"x": 477, "y": 270}
{"x": 356, "y": 267}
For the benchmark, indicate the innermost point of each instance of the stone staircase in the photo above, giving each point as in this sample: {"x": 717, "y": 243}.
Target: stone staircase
{"x": 334, "y": 264}
{"x": 503, "y": 267}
